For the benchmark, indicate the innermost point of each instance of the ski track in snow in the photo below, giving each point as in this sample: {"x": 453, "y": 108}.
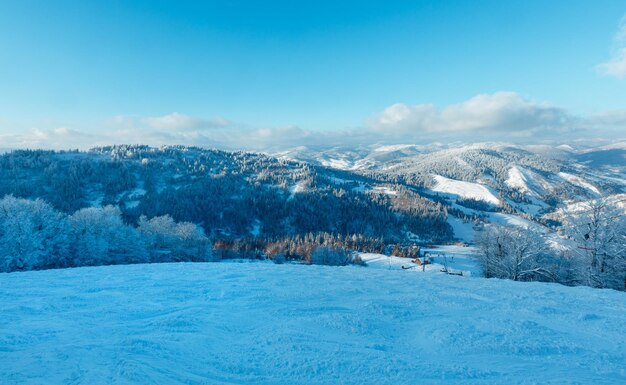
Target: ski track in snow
{"x": 230, "y": 323}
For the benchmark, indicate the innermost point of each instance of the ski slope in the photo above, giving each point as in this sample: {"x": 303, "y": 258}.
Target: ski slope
{"x": 518, "y": 179}
{"x": 244, "y": 323}
{"x": 466, "y": 190}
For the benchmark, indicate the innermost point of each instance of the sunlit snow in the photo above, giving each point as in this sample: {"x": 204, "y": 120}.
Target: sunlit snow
{"x": 243, "y": 323}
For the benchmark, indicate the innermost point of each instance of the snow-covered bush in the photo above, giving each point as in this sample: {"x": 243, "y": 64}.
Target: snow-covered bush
{"x": 168, "y": 241}
{"x": 33, "y": 235}
{"x": 100, "y": 237}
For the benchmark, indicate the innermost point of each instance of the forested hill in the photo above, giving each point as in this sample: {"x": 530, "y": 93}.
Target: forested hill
{"x": 230, "y": 194}
{"x": 520, "y": 182}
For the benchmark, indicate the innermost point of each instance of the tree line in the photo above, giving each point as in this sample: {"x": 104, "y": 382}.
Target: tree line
{"x": 34, "y": 236}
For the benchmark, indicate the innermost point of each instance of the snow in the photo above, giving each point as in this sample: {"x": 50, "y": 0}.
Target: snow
{"x": 138, "y": 191}
{"x": 299, "y": 187}
{"x": 384, "y": 190}
{"x": 131, "y": 204}
{"x": 340, "y": 164}
{"x": 565, "y": 147}
{"x": 360, "y": 188}
{"x": 517, "y": 180}
{"x": 514, "y": 220}
{"x": 463, "y": 231}
{"x": 460, "y": 258}
{"x": 467, "y": 190}
{"x": 386, "y": 262}
{"x": 296, "y": 189}
{"x": 534, "y": 208}
{"x": 363, "y": 164}
{"x": 619, "y": 145}
{"x": 256, "y": 228}
{"x": 394, "y": 147}
{"x": 578, "y": 181}
{"x": 618, "y": 200}
{"x": 230, "y": 323}
{"x": 528, "y": 181}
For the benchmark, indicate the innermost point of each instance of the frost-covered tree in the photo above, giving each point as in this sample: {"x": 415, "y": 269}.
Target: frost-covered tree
{"x": 513, "y": 253}
{"x": 598, "y": 252}
{"x": 168, "y": 241}
{"x": 33, "y": 235}
{"x": 100, "y": 237}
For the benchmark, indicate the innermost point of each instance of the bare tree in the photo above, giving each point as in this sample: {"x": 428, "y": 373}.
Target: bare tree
{"x": 598, "y": 250}
{"x": 513, "y": 253}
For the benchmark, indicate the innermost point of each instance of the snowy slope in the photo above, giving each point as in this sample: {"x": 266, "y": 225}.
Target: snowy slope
{"x": 463, "y": 231}
{"x": 227, "y": 323}
{"x": 467, "y": 190}
{"x": 530, "y": 182}
{"x": 578, "y": 181}
{"x": 518, "y": 180}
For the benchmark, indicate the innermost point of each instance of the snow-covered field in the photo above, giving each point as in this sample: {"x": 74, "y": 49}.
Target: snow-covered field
{"x": 244, "y": 323}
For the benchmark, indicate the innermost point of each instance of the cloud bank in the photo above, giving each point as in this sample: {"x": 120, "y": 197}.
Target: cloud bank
{"x": 502, "y": 116}
{"x": 499, "y": 113}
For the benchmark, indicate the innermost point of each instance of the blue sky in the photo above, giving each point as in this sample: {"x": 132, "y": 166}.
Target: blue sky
{"x": 99, "y": 69}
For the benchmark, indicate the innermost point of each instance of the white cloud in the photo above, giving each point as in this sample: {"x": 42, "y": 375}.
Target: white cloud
{"x": 177, "y": 122}
{"x": 616, "y": 65}
{"x": 182, "y": 129}
{"x": 607, "y": 124}
{"x": 501, "y": 112}
{"x": 58, "y": 138}
{"x": 609, "y": 118}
